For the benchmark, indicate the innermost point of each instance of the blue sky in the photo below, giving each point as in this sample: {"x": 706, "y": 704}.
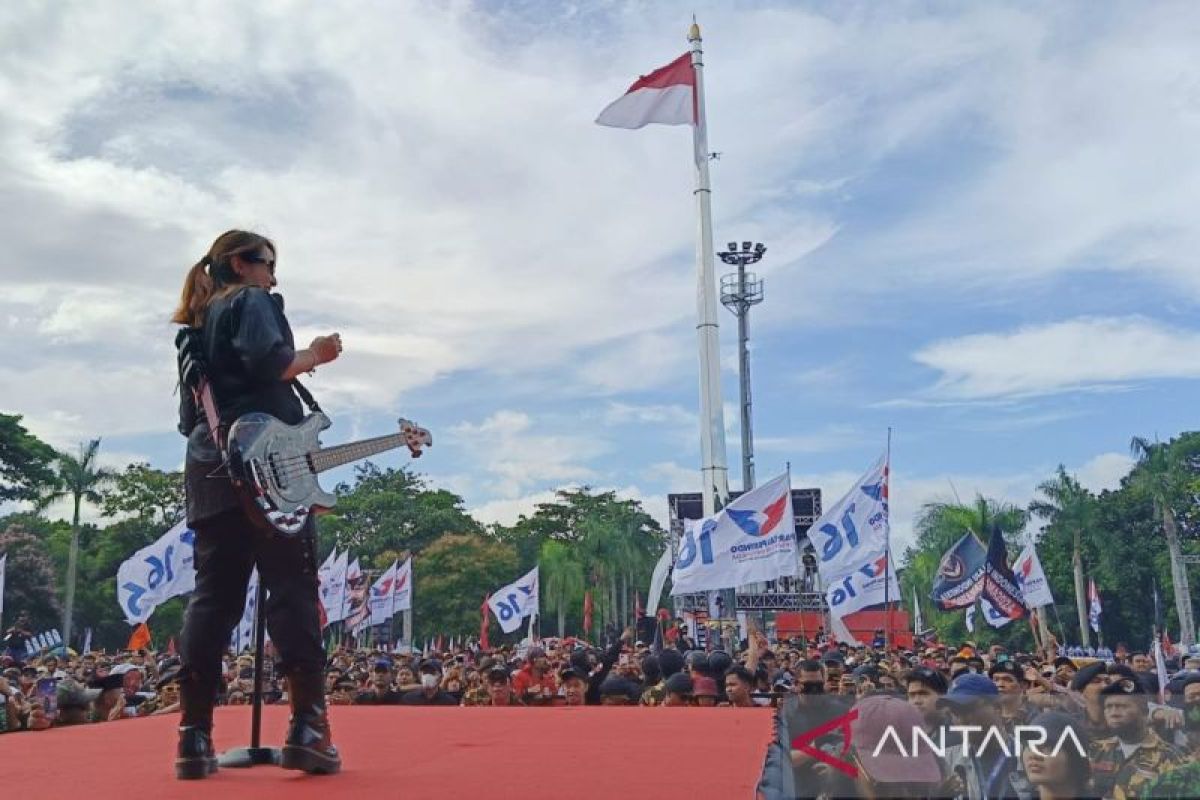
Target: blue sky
{"x": 980, "y": 221}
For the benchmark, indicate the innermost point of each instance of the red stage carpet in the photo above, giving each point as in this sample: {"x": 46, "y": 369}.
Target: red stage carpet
{"x": 387, "y": 752}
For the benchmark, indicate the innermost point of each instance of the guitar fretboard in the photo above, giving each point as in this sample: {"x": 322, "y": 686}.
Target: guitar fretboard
{"x": 331, "y": 457}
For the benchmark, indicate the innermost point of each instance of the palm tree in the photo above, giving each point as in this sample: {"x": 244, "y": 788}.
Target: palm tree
{"x": 1162, "y": 475}
{"x": 79, "y": 478}
{"x": 564, "y": 578}
{"x": 1069, "y": 508}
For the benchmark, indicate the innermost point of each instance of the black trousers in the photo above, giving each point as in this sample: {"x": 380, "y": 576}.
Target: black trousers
{"x": 228, "y": 547}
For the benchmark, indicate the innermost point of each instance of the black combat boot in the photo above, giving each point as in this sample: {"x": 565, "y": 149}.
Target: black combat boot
{"x": 309, "y": 746}
{"x": 195, "y": 758}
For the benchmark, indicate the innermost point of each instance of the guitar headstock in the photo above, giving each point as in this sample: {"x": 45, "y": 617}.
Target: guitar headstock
{"x": 416, "y": 438}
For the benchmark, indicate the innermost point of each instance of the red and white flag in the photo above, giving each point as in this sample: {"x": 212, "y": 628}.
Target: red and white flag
{"x": 666, "y": 96}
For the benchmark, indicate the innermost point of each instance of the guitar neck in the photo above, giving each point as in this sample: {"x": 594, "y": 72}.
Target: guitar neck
{"x": 332, "y": 457}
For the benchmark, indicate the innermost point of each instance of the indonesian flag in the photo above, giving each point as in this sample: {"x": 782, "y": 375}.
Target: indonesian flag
{"x": 666, "y": 96}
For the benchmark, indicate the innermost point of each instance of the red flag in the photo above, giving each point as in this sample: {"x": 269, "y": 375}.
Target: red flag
{"x": 322, "y": 617}
{"x": 483, "y": 625}
{"x": 587, "y": 612}
{"x": 140, "y": 638}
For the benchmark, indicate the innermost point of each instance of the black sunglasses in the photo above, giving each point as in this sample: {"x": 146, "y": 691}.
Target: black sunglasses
{"x": 255, "y": 258}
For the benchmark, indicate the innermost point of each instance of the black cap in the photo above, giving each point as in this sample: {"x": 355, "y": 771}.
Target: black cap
{"x": 1086, "y": 675}
{"x": 497, "y": 674}
{"x": 431, "y": 665}
{"x": 570, "y": 674}
{"x": 679, "y": 684}
{"x": 615, "y": 686}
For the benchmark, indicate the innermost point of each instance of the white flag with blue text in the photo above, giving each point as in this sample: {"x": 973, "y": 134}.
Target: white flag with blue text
{"x": 514, "y": 602}
{"x": 850, "y": 540}
{"x": 333, "y": 586}
{"x": 156, "y": 573}
{"x": 752, "y": 539}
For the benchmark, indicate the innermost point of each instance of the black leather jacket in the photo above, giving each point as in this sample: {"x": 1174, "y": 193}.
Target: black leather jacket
{"x": 247, "y": 346}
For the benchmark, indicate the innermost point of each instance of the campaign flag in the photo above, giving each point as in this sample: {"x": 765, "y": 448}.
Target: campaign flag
{"x": 1000, "y": 587}
{"x": 156, "y": 573}
{"x": 658, "y": 579}
{"x": 969, "y": 619}
{"x": 3, "y": 567}
{"x": 381, "y": 596}
{"x": 333, "y": 588}
{"x": 851, "y": 542}
{"x": 959, "y": 579}
{"x": 402, "y": 594}
{"x": 994, "y": 616}
{"x": 514, "y": 602}
{"x": 666, "y": 96}
{"x": 751, "y": 539}
{"x": 855, "y": 528}
{"x": 1027, "y": 569}
{"x": 358, "y": 612}
{"x": 1094, "y": 608}
{"x": 140, "y": 638}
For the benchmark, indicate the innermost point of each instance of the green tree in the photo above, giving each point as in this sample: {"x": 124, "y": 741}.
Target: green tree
{"x": 79, "y": 478}
{"x": 1070, "y": 510}
{"x": 24, "y": 461}
{"x": 452, "y": 576}
{"x": 151, "y": 495}
{"x": 29, "y": 584}
{"x": 1164, "y": 473}
{"x": 562, "y": 579}
{"x": 386, "y": 512}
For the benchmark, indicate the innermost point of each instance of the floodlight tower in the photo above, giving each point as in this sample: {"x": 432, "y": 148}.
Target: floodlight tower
{"x": 739, "y": 291}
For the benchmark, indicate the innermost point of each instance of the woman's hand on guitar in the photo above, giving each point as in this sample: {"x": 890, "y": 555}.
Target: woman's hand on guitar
{"x": 326, "y": 348}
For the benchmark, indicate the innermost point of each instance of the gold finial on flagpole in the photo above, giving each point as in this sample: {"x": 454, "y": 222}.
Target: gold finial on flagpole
{"x": 694, "y": 31}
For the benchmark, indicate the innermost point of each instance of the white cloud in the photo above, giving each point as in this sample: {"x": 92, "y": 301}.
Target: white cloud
{"x": 1104, "y": 471}
{"x": 1083, "y": 353}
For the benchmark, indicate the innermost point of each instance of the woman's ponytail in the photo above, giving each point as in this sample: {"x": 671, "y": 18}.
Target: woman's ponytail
{"x": 197, "y": 291}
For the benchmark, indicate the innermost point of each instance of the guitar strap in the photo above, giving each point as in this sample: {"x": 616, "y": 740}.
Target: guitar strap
{"x": 306, "y": 396}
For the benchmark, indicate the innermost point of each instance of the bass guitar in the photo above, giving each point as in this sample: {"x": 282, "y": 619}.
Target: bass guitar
{"x": 276, "y": 465}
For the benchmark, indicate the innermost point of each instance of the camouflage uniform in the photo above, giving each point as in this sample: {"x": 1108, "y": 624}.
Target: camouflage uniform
{"x": 476, "y": 697}
{"x": 1119, "y": 777}
{"x": 655, "y": 695}
{"x": 1181, "y": 783}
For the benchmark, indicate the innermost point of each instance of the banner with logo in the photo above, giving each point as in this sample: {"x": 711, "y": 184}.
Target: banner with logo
{"x": 514, "y": 602}
{"x": 959, "y": 579}
{"x": 357, "y": 610}
{"x": 1028, "y": 571}
{"x": 1000, "y": 588}
{"x": 855, "y": 529}
{"x": 382, "y": 607}
{"x": 752, "y": 539}
{"x": 333, "y": 585}
{"x": 156, "y": 573}
{"x": 851, "y": 540}
{"x": 1094, "y": 607}
{"x": 402, "y": 589}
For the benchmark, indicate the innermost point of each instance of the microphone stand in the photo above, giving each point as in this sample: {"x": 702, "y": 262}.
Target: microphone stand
{"x": 255, "y": 754}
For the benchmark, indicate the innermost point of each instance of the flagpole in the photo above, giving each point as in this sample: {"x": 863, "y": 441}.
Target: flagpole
{"x": 713, "y": 469}
{"x": 887, "y": 546}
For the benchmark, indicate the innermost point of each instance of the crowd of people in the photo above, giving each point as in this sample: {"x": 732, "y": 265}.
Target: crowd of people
{"x": 1126, "y": 733}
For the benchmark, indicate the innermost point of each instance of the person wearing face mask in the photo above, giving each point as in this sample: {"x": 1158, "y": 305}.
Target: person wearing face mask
{"x": 801, "y": 713}
{"x": 430, "y": 693}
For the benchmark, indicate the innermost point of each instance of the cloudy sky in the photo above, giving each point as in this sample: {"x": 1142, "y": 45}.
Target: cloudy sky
{"x": 980, "y": 221}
